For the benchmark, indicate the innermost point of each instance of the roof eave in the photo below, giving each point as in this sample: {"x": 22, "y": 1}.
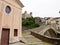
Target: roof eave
{"x": 19, "y": 2}
{"x": 22, "y": 5}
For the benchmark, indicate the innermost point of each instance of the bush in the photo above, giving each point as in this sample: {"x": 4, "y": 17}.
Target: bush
{"x": 29, "y": 22}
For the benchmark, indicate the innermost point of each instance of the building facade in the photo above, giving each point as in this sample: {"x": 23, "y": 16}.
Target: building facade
{"x": 10, "y": 21}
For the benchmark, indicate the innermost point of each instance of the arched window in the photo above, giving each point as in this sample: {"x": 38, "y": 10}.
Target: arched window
{"x": 8, "y": 9}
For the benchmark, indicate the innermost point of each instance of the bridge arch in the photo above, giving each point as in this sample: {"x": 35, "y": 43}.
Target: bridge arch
{"x": 50, "y": 32}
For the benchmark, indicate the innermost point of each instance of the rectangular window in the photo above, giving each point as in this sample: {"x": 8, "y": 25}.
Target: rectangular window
{"x": 15, "y": 32}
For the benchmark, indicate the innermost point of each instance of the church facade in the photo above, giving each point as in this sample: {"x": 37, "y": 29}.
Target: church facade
{"x": 10, "y": 21}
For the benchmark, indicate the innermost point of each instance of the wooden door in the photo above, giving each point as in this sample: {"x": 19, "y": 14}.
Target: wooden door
{"x": 5, "y": 37}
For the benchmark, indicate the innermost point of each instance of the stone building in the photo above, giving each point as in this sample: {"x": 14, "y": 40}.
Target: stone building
{"x": 10, "y": 21}
{"x": 50, "y": 20}
{"x": 38, "y": 20}
{"x": 26, "y": 15}
{"x": 55, "y": 20}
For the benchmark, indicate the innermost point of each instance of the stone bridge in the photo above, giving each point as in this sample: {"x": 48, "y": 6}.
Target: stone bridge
{"x": 47, "y": 33}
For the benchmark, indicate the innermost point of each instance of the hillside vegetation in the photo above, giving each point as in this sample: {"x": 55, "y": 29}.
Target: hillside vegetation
{"x": 29, "y": 22}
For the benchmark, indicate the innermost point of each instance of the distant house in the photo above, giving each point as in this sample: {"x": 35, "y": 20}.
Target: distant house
{"x": 50, "y": 20}
{"x": 26, "y": 15}
{"x": 10, "y": 21}
{"x": 38, "y": 20}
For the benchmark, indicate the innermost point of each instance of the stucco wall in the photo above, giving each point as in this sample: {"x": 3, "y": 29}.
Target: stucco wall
{"x": 12, "y": 20}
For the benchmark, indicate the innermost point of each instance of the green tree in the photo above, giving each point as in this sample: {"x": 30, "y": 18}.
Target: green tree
{"x": 29, "y": 22}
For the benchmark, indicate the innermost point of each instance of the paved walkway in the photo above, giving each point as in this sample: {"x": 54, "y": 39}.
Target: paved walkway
{"x": 31, "y": 40}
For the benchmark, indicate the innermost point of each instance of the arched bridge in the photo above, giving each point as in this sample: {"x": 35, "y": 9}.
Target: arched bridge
{"x": 47, "y": 33}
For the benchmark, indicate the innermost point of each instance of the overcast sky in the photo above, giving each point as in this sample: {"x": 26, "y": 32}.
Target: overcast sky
{"x": 42, "y": 8}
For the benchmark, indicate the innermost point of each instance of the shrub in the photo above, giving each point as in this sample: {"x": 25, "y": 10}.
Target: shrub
{"x": 29, "y": 22}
